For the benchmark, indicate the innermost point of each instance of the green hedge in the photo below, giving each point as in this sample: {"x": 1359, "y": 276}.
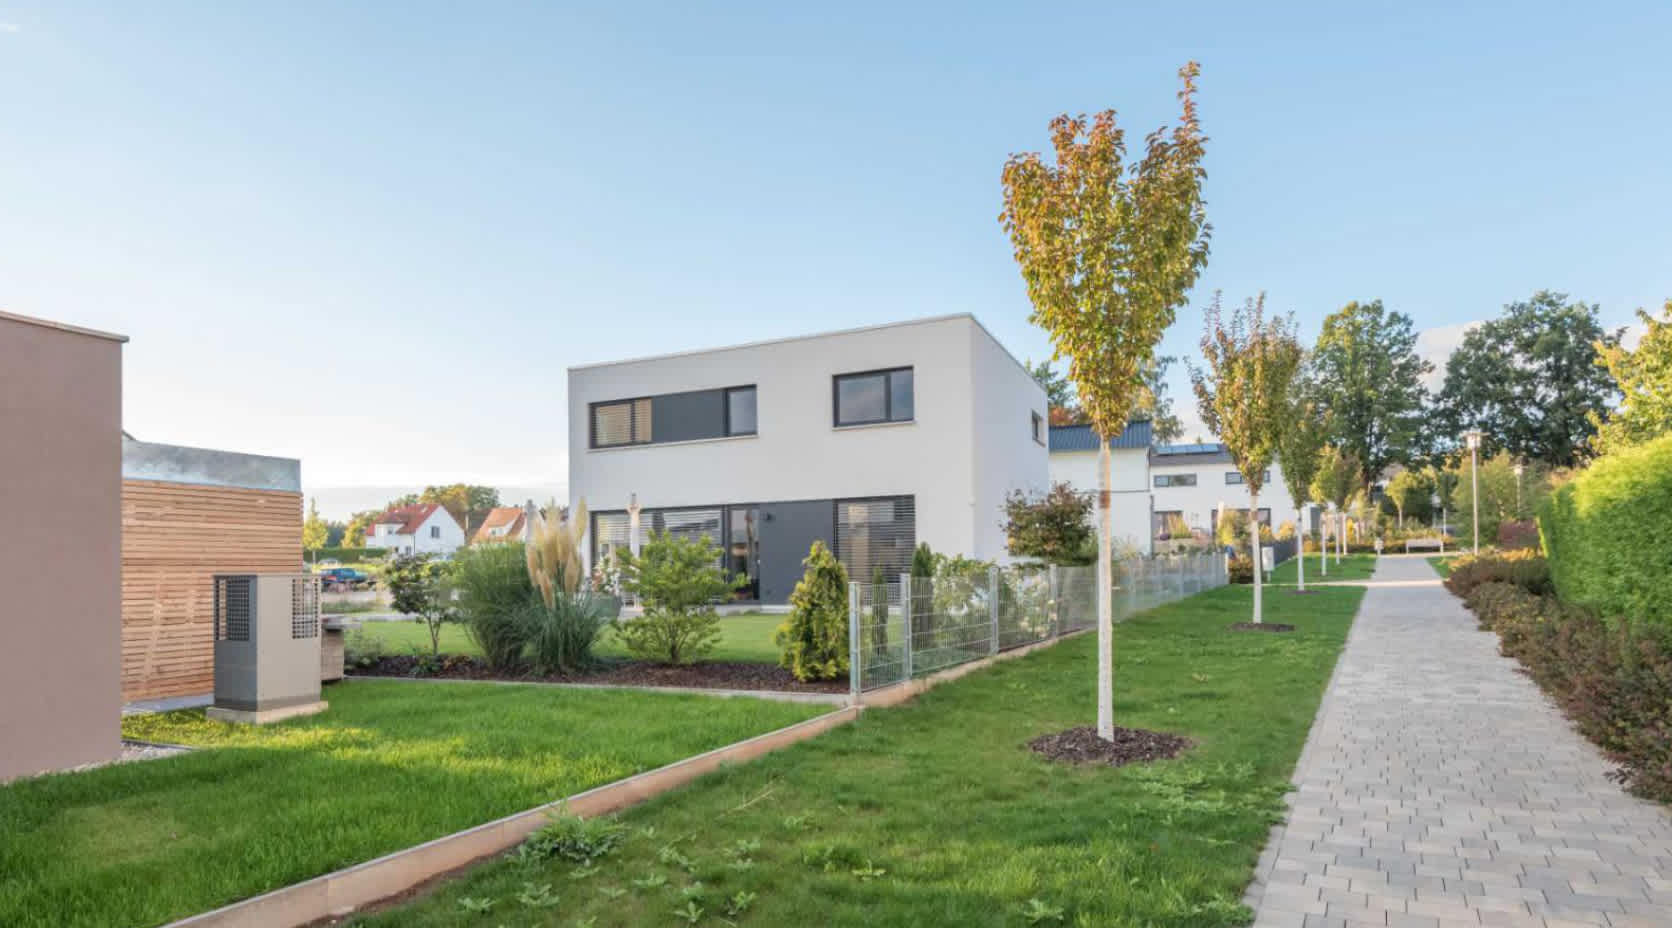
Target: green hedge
{"x": 1608, "y": 534}
{"x": 346, "y": 555}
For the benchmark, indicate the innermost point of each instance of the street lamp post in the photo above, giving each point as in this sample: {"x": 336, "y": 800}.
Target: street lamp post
{"x": 1518, "y": 469}
{"x": 1434, "y": 506}
{"x": 1472, "y": 436}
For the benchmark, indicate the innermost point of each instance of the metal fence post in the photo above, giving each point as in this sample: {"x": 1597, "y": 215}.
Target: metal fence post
{"x": 907, "y": 600}
{"x": 993, "y": 604}
{"x": 855, "y": 655}
{"x": 1051, "y": 588}
{"x": 905, "y": 658}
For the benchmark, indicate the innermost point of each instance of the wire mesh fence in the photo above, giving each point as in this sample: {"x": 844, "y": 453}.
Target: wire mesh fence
{"x": 908, "y": 627}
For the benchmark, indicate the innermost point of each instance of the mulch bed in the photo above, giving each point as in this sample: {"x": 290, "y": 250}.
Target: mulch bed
{"x": 722, "y": 675}
{"x": 1262, "y": 627}
{"x": 1131, "y": 746}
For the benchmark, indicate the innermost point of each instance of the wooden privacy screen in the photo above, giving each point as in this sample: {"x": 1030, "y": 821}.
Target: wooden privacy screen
{"x": 175, "y": 537}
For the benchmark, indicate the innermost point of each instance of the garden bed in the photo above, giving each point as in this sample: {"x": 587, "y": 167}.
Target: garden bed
{"x": 724, "y": 675}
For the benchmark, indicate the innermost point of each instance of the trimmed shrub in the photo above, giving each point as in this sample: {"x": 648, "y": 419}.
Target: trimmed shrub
{"x": 815, "y": 638}
{"x": 1526, "y": 569}
{"x": 494, "y": 595}
{"x": 1516, "y": 536}
{"x": 347, "y": 555}
{"x": 678, "y": 580}
{"x": 1608, "y": 533}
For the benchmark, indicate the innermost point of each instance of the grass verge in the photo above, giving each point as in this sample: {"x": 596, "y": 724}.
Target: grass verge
{"x": 1442, "y": 565}
{"x": 389, "y": 765}
{"x": 936, "y": 813}
{"x": 1352, "y": 567}
{"x": 744, "y": 637}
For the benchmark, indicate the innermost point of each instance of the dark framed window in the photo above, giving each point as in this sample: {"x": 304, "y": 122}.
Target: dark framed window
{"x": 1175, "y": 480}
{"x": 874, "y": 396}
{"x": 740, "y": 411}
{"x": 1234, "y": 478}
{"x": 1038, "y": 425}
{"x": 435, "y": 531}
{"x": 621, "y": 422}
{"x": 878, "y": 533}
{"x": 1167, "y": 524}
{"x": 733, "y": 529}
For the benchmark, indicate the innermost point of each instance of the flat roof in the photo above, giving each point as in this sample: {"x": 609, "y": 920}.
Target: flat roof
{"x": 926, "y": 320}
{"x": 61, "y": 326}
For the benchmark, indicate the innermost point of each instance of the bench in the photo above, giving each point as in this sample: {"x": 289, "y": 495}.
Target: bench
{"x": 1430, "y": 544}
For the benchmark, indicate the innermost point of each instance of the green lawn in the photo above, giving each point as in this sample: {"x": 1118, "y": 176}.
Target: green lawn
{"x": 745, "y": 637}
{"x": 389, "y": 765}
{"x": 936, "y": 813}
{"x": 1352, "y": 567}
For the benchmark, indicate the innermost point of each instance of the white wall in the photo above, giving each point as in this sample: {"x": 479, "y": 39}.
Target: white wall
{"x": 797, "y": 452}
{"x": 1129, "y": 481}
{"x": 1005, "y": 455}
{"x": 452, "y": 535}
{"x": 1211, "y": 491}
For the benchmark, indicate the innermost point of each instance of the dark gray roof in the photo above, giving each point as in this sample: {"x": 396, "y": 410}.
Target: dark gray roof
{"x": 1209, "y": 453}
{"x": 1081, "y": 438}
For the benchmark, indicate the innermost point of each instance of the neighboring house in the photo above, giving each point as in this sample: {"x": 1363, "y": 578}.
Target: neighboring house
{"x": 871, "y": 440}
{"x": 422, "y": 528}
{"x": 1182, "y": 487}
{"x": 503, "y": 523}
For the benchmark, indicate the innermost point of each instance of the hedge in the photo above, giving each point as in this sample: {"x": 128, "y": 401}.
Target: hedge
{"x": 345, "y": 555}
{"x": 1608, "y": 534}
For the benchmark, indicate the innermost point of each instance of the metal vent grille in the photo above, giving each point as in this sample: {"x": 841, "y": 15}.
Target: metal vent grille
{"x": 876, "y": 533}
{"x": 233, "y": 608}
{"x": 304, "y": 607}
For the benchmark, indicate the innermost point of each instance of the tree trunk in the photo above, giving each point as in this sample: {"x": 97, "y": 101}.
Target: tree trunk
{"x": 1323, "y": 540}
{"x": 1300, "y": 548}
{"x": 1254, "y": 542}
{"x": 1105, "y": 595}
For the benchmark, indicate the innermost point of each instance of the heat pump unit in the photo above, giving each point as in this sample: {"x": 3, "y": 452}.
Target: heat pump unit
{"x": 266, "y": 647}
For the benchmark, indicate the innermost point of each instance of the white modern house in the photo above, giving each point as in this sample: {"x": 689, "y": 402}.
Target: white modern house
{"x": 871, "y": 440}
{"x": 1162, "y": 492}
{"x": 422, "y": 528}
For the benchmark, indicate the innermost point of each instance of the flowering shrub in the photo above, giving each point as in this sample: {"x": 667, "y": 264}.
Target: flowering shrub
{"x": 1526, "y": 569}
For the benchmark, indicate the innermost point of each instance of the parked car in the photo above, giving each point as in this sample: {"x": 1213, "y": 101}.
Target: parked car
{"x": 346, "y": 578}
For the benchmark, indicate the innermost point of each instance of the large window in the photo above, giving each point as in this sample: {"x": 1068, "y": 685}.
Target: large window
{"x": 733, "y": 530}
{"x": 740, "y": 411}
{"x": 624, "y": 422}
{"x": 873, "y": 534}
{"x": 1234, "y": 478}
{"x": 1169, "y": 524}
{"x": 1175, "y": 480}
{"x": 875, "y": 396}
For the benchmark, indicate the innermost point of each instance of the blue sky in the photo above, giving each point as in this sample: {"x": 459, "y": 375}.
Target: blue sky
{"x": 374, "y": 237}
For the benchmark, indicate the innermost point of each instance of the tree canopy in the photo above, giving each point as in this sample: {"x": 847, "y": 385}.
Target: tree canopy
{"x": 1644, "y": 378}
{"x": 1367, "y": 380}
{"x": 1530, "y": 381}
{"x": 1300, "y": 443}
{"x": 1242, "y": 391}
{"x": 314, "y": 531}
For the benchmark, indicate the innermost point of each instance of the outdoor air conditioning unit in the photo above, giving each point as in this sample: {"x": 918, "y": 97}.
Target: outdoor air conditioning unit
{"x": 266, "y": 647}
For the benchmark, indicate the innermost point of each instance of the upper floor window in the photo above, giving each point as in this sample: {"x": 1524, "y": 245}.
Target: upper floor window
{"x": 1038, "y": 425}
{"x": 875, "y": 396}
{"x": 1233, "y": 477}
{"x": 740, "y": 411}
{"x": 1175, "y": 480}
{"x": 435, "y": 531}
{"x": 623, "y": 422}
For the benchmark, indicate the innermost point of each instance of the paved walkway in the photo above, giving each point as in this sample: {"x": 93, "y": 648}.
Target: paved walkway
{"x": 1439, "y": 788}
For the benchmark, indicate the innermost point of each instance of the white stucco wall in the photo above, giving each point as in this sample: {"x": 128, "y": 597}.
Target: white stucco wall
{"x": 1198, "y": 503}
{"x": 798, "y": 453}
{"x": 452, "y": 535}
{"x": 1006, "y": 457}
{"x": 1129, "y": 481}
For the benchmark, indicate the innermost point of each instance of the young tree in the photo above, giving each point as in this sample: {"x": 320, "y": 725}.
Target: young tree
{"x": 1338, "y": 476}
{"x": 354, "y": 536}
{"x": 1644, "y": 378}
{"x": 814, "y": 638}
{"x": 1409, "y": 490}
{"x": 1109, "y": 252}
{"x": 418, "y": 586}
{"x": 314, "y": 531}
{"x": 1054, "y": 527}
{"x": 1242, "y": 393}
{"x": 1530, "y": 381}
{"x": 678, "y": 580}
{"x": 1298, "y": 444}
{"x": 1369, "y": 385}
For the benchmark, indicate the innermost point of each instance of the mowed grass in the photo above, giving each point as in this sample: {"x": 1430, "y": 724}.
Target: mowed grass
{"x": 1352, "y": 567}
{"x": 746, "y": 637}
{"x": 389, "y": 765}
{"x": 937, "y": 813}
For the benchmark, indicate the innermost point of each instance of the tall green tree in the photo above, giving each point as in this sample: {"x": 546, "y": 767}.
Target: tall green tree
{"x": 1109, "y": 251}
{"x": 1409, "y": 492}
{"x": 1644, "y": 378}
{"x": 1156, "y": 404}
{"x": 1368, "y": 382}
{"x": 468, "y": 503}
{"x": 1059, "y": 394}
{"x": 354, "y": 536}
{"x": 1530, "y": 381}
{"x": 1242, "y": 392}
{"x": 314, "y": 531}
{"x": 1299, "y": 444}
{"x": 1338, "y": 478}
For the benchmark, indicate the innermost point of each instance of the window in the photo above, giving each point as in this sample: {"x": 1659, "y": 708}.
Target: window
{"x": 623, "y": 422}
{"x": 875, "y": 396}
{"x": 435, "y": 531}
{"x": 1038, "y": 428}
{"x": 1175, "y": 480}
{"x": 1234, "y": 478}
{"x": 873, "y": 534}
{"x": 1169, "y": 524}
{"x": 740, "y": 411}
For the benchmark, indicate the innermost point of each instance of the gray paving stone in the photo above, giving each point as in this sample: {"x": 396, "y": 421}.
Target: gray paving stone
{"x": 1439, "y": 788}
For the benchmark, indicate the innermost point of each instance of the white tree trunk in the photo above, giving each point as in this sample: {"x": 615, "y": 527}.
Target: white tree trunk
{"x": 1323, "y": 540}
{"x": 1254, "y": 542}
{"x": 1105, "y": 605}
{"x": 1300, "y": 547}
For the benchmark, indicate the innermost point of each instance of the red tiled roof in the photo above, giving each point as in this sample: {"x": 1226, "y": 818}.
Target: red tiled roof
{"x": 407, "y": 517}
{"x": 508, "y": 517}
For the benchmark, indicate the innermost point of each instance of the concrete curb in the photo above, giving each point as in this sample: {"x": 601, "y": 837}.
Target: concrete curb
{"x": 346, "y": 890}
{"x": 834, "y": 699}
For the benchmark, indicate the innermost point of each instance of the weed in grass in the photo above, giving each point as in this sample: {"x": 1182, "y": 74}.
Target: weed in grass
{"x": 694, "y": 891}
{"x": 612, "y": 892}
{"x": 572, "y": 838}
{"x": 591, "y": 921}
{"x": 1038, "y": 912}
{"x": 473, "y": 904}
{"x": 796, "y": 822}
{"x": 744, "y": 847}
{"x": 537, "y": 897}
{"x": 583, "y": 872}
{"x": 692, "y": 913}
{"x": 651, "y": 881}
{"x": 740, "y": 902}
{"x": 671, "y": 856}
{"x": 868, "y": 872}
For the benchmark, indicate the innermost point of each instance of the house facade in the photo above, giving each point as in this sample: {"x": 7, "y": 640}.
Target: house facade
{"x": 870, "y": 440}
{"x": 1165, "y": 493}
{"x": 421, "y": 528}
{"x": 502, "y": 524}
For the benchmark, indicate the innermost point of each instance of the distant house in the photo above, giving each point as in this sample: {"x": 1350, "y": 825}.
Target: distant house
{"x": 503, "y": 523}
{"x": 422, "y": 528}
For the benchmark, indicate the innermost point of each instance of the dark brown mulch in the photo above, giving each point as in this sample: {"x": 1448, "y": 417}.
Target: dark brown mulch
{"x": 1262, "y": 627}
{"x": 725, "y": 675}
{"x": 1131, "y": 745}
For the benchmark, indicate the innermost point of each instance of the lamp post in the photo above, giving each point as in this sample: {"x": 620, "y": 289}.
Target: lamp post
{"x": 1472, "y": 436}
{"x": 1518, "y": 469}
